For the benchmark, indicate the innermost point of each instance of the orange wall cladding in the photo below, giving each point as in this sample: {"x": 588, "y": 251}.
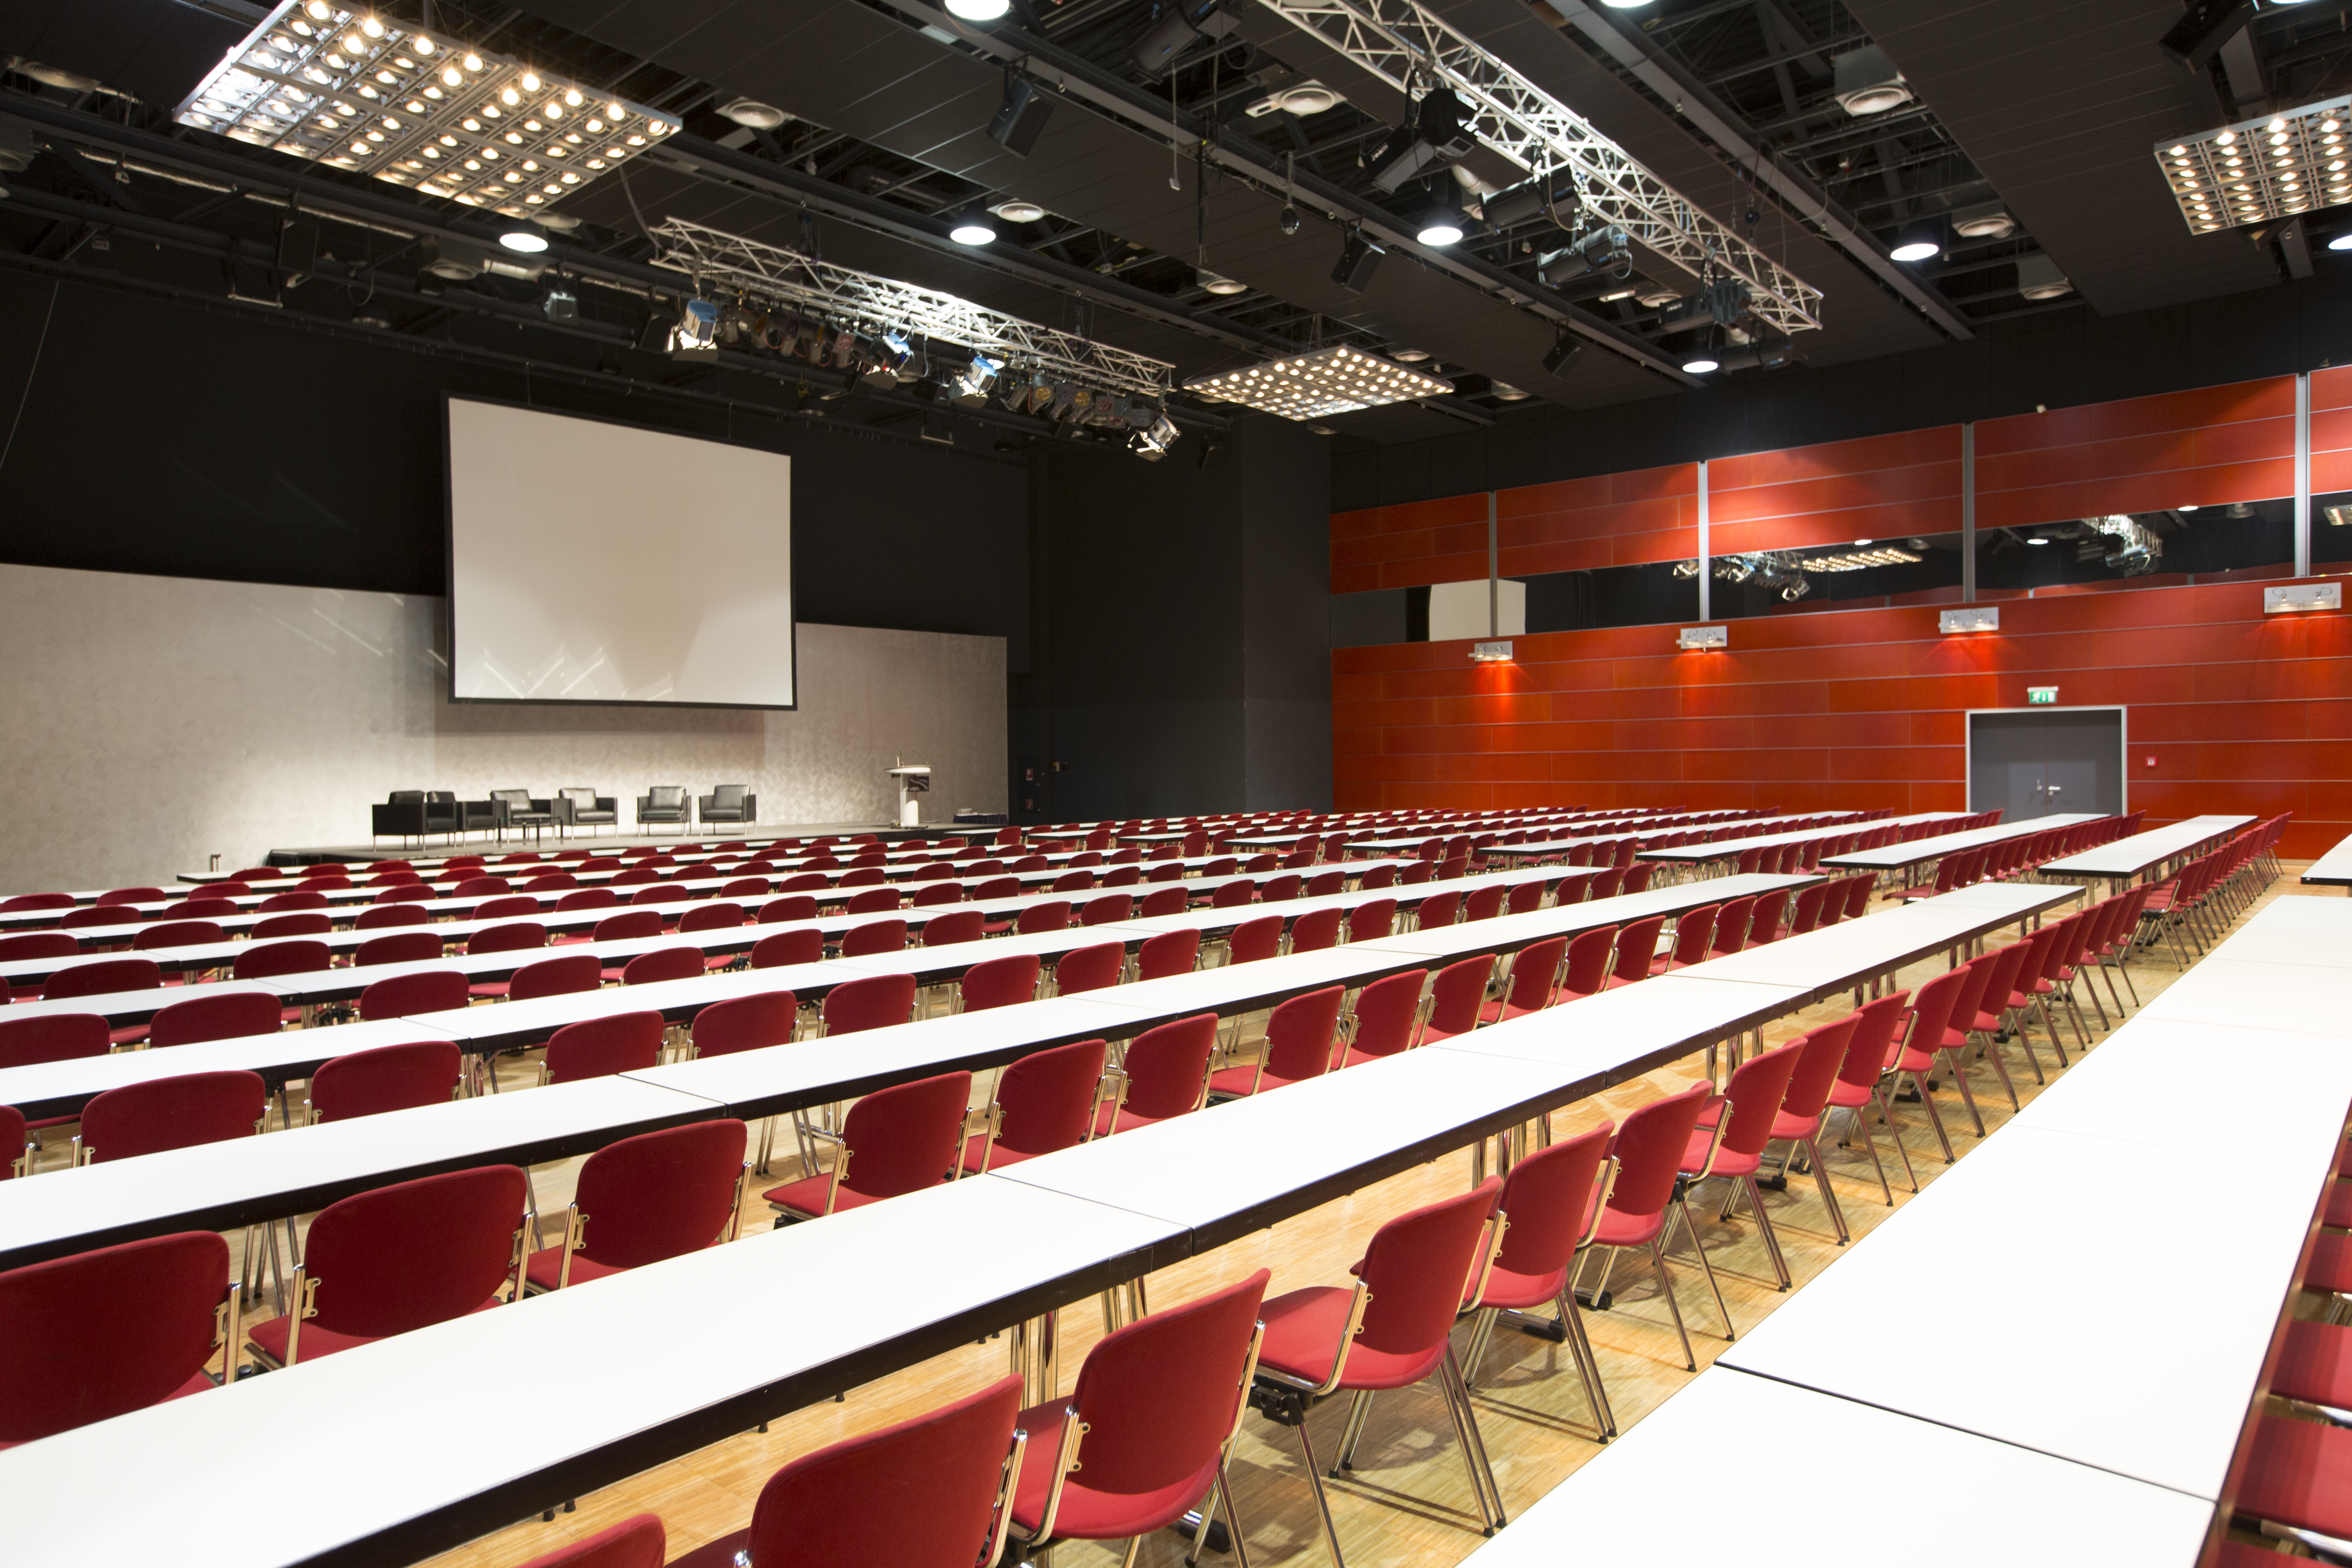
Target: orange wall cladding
{"x": 1864, "y": 708}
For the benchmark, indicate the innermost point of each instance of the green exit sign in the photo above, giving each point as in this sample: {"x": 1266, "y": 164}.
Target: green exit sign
{"x": 2042, "y": 696}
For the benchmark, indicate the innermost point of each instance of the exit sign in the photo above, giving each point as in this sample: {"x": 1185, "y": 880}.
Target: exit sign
{"x": 2041, "y": 696}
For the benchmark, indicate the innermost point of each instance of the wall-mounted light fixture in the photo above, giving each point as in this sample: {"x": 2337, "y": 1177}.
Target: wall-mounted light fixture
{"x": 1703, "y": 638}
{"x": 1971, "y": 620}
{"x": 2303, "y": 596}
{"x": 1490, "y": 653}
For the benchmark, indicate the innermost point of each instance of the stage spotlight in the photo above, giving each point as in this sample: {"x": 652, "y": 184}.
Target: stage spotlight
{"x": 971, "y": 387}
{"x": 1918, "y": 242}
{"x": 979, "y": 10}
{"x": 695, "y": 330}
{"x": 522, "y": 237}
{"x": 559, "y": 305}
{"x": 1441, "y": 226}
{"x": 1152, "y": 444}
{"x": 1705, "y": 355}
{"x": 1439, "y": 133}
{"x": 972, "y": 226}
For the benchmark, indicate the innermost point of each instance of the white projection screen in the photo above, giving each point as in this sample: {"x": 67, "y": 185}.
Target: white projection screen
{"x": 592, "y": 562}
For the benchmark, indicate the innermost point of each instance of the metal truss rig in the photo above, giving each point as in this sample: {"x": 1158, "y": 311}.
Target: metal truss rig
{"x": 1399, "y": 40}
{"x": 776, "y": 276}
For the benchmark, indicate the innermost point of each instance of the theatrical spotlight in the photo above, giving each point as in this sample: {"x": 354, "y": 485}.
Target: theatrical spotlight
{"x": 1152, "y": 444}
{"x": 971, "y": 387}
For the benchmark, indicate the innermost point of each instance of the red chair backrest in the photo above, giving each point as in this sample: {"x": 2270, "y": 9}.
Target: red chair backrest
{"x": 907, "y": 1137}
{"x": 662, "y": 964}
{"x": 1048, "y": 1097}
{"x": 1378, "y": 876}
{"x": 511, "y": 938}
{"x": 1300, "y": 1031}
{"x": 102, "y": 1333}
{"x": 1316, "y": 930}
{"x": 589, "y": 899}
{"x": 745, "y": 1023}
{"x": 564, "y": 976}
{"x": 1089, "y": 968}
{"x": 1254, "y": 940}
{"x": 1534, "y": 972}
{"x": 161, "y": 1113}
{"x": 1485, "y": 903}
{"x": 1693, "y": 930}
{"x": 101, "y": 976}
{"x": 1818, "y": 1066}
{"x": 1649, "y": 1151}
{"x": 1547, "y": 1198}
{"x": 712, "y": 917}
{"x": 38, "y": 902}
{"x": 1418, "y": 1266}
{"x": 1169, "y": 952}
{"x": 1160, "y": 1396}
{"x": 1052, "y": 915}
{"x": 1000, "y": 981}
{"x": 299, "y": 900}
{"x": 416, "y": 1253}
{"x": 1764, "y": 923}
{"x": 1588, "y": 958}
{"x": 955, "y": 927}
{"x": 130, "y": 895}
{"x": 599, "y": 1047}
{"x": 488, "y": 887}
{"x": 1757, "y": 1089}
{"x": 386, "y": 1078}
{"x": 933, "y": 895}
{"x": 303, "y": 922}
{"x": 1386, "y": 1012}
{"x": 1457, "y": 994}
{"x": 1234, "y": 894}
{"x": 51, "y": 1037}
{"x": 874, "y": 901}
{"x": 1164, "y": 901}
{"x": 1168, "y": 1068}
{"x": 1877, "y": 1030}
{"x": 550, "y": 882}
{"x": 803, "y": 944}
{"x": 219, "y": 1015}
{"x": 869, "y": 1002}
{"x": 659, "y": 1195}
{"x": 1108, "y": 910}
{"x": 1637, "y": 945}
{"x": 1732, "y": 918}
{"x": 792, "y": 907}
{"x": 400, "y": 947}
{"x": 1371, "y": 920}
{"x": 377, "y": 917}
{"x": 177, "y": 933}
{"x": 401, "y": 996}
{"x": 874, "y": 936}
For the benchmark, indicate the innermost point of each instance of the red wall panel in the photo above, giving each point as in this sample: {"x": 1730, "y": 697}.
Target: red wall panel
{"x": 1836, "y": 493}
{"x": 2331, "y": 430}
{"x": 2215, "y": 445}
{"x": 1862, "y": 709}
{"x": 1616, "y": 520}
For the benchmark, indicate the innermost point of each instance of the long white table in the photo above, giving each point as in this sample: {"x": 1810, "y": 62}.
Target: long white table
{"x": 1719, "y": 840}
{"x": 1730, "y": 849}
{"x": 2333, "y": 869}
{"x": 2125, "y": 859}
{"x": 1920, "y": 851}
{"x": 1652, "y": 1497}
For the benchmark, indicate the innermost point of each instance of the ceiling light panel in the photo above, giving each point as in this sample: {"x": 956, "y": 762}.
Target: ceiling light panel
{"x": 359, "y": 91}
{"x": 1860, "y": 560}
{"x": 1328, "y": 381}
{"x": 2259, "y": 170}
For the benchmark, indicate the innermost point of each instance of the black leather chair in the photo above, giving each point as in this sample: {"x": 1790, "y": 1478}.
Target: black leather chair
{"x": 415, "y": 813}
{"x": 517, "y": 810}
{"x": 664, "y": 804}
{"x": 580, "y": 808}
{"x": 728, "y": 802}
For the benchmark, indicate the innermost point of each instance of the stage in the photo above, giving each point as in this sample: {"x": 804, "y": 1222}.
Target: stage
{"x": 441, "y": 845}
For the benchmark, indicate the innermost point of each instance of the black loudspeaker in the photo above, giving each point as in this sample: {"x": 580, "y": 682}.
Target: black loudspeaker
{"x": 1565, "y": 352}
{"x": 1020, "y": 118}
{"x": 1359, "y": 259}
{"x": 297, "y": 248}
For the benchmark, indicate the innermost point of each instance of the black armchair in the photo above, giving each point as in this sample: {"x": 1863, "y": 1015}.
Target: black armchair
{"x": 663, "y": 803}
{"x": 415, "y": 813}
{"x": 516, "y": 808}
{"x": 582, "y": 807}
{"x": 728, "y": 802}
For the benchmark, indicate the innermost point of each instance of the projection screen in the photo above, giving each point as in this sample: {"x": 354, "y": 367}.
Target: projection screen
{"x": 590, "y": 561}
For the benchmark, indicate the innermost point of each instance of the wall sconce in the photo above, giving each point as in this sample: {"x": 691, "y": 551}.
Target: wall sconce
{"x": 1703, "y": 638}
{"x": 2303, "y": 596}
{"x": 1971, "y": 620}
{"x": 1490, "y": 653}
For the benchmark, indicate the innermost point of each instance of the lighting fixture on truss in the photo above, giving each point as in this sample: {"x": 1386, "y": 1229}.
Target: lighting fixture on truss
{"x": 355, "y": 91}
{"x": 1862, "y": 558}
{"x": 2261, "y": 170}
{"x": 1405, "y": 44}
{"x": 1312, "y": 386}
{"x": 2122, "y": 543}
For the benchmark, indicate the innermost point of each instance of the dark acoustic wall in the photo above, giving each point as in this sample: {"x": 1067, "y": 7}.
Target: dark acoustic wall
{"x": 2057, "y": 360}
{"x": 163, "y": 437}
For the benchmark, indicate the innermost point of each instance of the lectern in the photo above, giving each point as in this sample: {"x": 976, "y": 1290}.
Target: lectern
{"x": 913, "y": 780}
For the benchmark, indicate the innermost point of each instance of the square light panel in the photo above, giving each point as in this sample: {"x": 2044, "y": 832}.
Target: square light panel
{"x": 2261, "y": 170}
{"x": 1328, "y": 381}
{"x": 356, "y": 90}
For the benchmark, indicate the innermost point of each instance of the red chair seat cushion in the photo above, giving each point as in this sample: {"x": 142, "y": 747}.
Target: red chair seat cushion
{"x": 1237, "y": 1081}
{"x": 1087, "y": 1514}
{"x": 129, "y": 1034}
{"x": 806, "y": 1196}
{"x": 1302, "y": 1335}
{"x": 1629, "y": 1230}
{"x": 546, "y": 1267}
{"x": 316, "y": 1340}
{"x": 1119, "y": 1119}
{"x": 1503, "y": 1011}
{"x": 491, "y": 988}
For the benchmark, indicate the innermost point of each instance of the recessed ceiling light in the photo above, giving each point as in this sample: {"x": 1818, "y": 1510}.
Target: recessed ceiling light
{"x": 979, "y": 10}
{"x": 1411, "y": 356}
{"x": 1018, "y": 211}
{"x": 2342, "y": 241}
{"x": 1917, "y": 242}
{"x": 1441, "y": 226}
{"x": 971, "y": 227}
{"x": 751, "y": 112}
{"x": 1216, "y": 284}
{"x": 525, "y": 238}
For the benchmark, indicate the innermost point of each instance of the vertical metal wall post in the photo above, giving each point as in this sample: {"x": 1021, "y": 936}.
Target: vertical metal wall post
{"x": 2303, "y": 474}
{"x": 1967, "y": 512}
{"x": 1494, "y": 573}
{"x": 1705, "y": 600}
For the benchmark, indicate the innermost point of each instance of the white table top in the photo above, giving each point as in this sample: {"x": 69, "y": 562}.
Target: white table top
{"x": 2333, "y": 869}
{"x": 1239, "y": 1167}
{"x": 1721, "y": 849}
{"x": 2296, "y": 930}
{"x": 120, "y": 1007}
{"x": 60, "y": 1088}
{"x": 2130, "y": 856}
{"x": 2304, "y": 998}
{"x": 1641, "y": 1493}
{"x": 358, "y": 1448}
{"x": 220, "y": 1186}
{"x": 1834, "y": 957}
{"x": 1502, "y": 932}
{"x": 1898, "y": 856}
{"x": 1605, "y": 1039}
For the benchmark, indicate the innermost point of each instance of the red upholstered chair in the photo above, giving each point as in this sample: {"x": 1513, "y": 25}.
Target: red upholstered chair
{"x": 869, "y": 1002}
{"x": 1604, "y": 883}
{"x": 1072, "y": 881}
{"x": 744, "y": 888}
{"x": 1326, "y": 885}
{"x": 1636, "y": 878}
{"x": 643, "y": 1199}
{"x": 1553, "y": 1201}
{"x": 1485, "y": 903}
{"x": 1089, "y": 968}
{"x": 564, "y": 976}
{"x": 103, "y": 1334}
{"x": 1391, "y": 1329}
{"x": 717, "y": 916}
{"x": 44, "y": 1037}
{"x": 955, "y": 927}
{"x": 1649, "y": 1151}
{"x": 177, "y": 933}
{"x": 655, "y": 895}
{"x": 999, "y": 983}
{"x": 1943, "y": 1011}
{"x": 1732, "y": 918}
{"x": 1165, "y": 1074}
{"x": 1315, "y": 930}
{"x": 1730, "y": 1141}
{"x": 1254, "y": 940}
{"x": 1764, "y": 921}
{"x": 1435, "y": 911}
{"x": 933, "y": 895}
{"x": 848, "y": 1504}
{"x": 1280, "y": 889}
{"x": 400, "y": 947}
{"x": 550, "y": 882}
{"x": 873, "y": 937}
{"x": 1535, "y": 973}
{"x": 380, "y": 917}
{"x": 1169, "y": 952}
{"x": 211, "y": 1014}
{"x": 102, "y": 977}
{"x": 1386, "y": 1018}
{"x": 1693, "y": 931}
{"x": 1637, "y": 951}
{"x": 790, "y": 907}
{"x": 490, "y": 887}
{"x": 33, "y": 944}
{"x": 1108, "y": 910}
{"x": 1586, "y": 971}
{"x": 403, "y": 995}
{"x": 300, "y": 924}
{"x": 399, "y": 1258}
{"x": 384, "y": 1077}
{"x": 1148, "y": 1430}
{"x": 2298, "y": 1474}
{"x": 1383, "y": 876}
{"x": 1861, "y": 1084}
{"x": 599, "y": 1047}
{"x": 866, "y": 876}
{"x": 1456, "y": 996}
{"x": 1806, "y": 1103}
{"x": 1299, "y": 1037}
{"x": 130, "y": 895}
{"x": 36, "y": 901}
{"x": 1232, "y": 895}
{"x": 801, "y": 944}
{"x": 1046, "y": 1100}
{"x": 662, "y": 964}
{"x": 514, "y": 937}
{"x": 873, "y": 901}
{"x": 803, "y": 882}
{"x": 895, "y": 1141}
{"x": 635, "y": 1542}
{"x": 745, "y": 1023}
{"x": 159, "y": 1114}
{"x": 298, "y": 899}
{"x": 1165, "y": 900}
{"x": 1371, "y": 920}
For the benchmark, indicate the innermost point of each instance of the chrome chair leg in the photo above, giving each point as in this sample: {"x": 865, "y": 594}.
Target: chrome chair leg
{"x": 1705, "y": 1268}
{"x": 1667, "y": 1286}
{"x": 1322, "y": 1503}
{"x": 1359, "y": 1410}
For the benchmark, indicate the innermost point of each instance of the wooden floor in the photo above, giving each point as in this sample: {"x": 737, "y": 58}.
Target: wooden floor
{"x": 1408, "y": 1500}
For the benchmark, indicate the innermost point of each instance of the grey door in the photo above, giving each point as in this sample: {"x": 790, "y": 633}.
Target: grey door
{"x": 2031, "y": 764}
